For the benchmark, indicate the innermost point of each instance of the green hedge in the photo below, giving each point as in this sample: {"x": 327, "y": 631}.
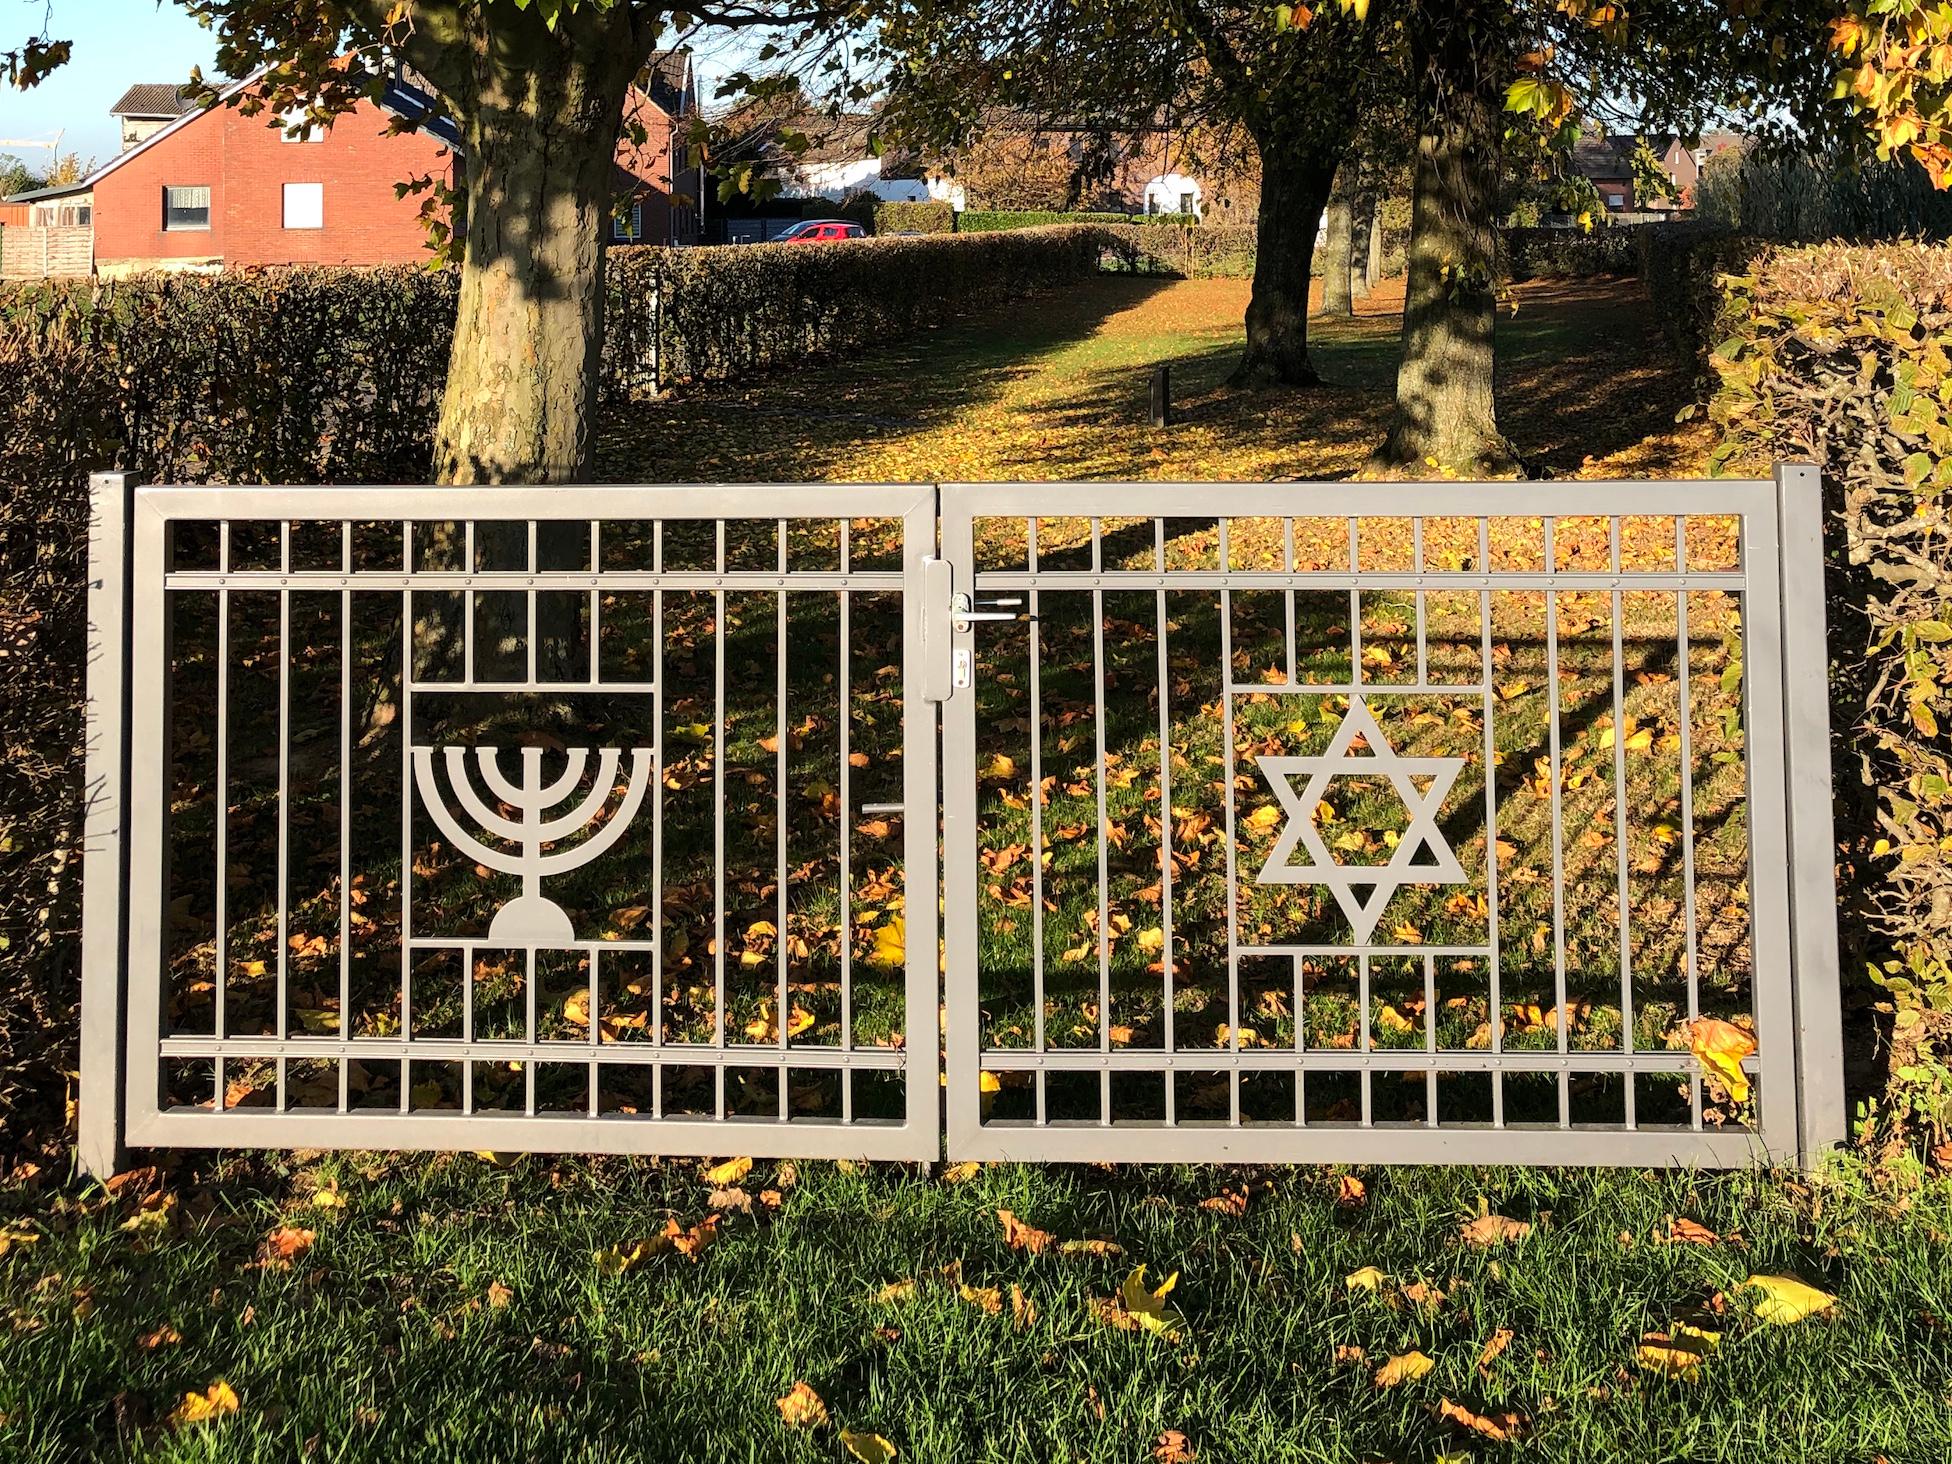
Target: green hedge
{"x": 1681, "y": 265}
{"x": 913, "y": 218}
{"x": 725, "y": 313}
{"x": 1208, "y": 251}
{"x": 1538, "y": 253}
{"x": 1839, "y": 354}
{"x": 990, "y": 221}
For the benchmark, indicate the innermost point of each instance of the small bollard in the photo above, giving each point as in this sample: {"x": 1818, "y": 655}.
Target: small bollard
{"x": 1162, "y": 396}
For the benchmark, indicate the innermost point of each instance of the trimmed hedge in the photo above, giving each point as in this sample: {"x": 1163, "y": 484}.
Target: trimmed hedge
{"x": 932, "y": 217}
{"x": 725, "y": 313}
{"x": 990, "y": 220}
{"x": 1537, "y": 253}
{"x": 1208, "y": 251}
{"x": 1839, "y": 354}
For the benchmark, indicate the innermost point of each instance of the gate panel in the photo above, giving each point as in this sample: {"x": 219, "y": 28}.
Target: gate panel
{"x": 1370, "y": 822}
{"x": 573, "y": 823}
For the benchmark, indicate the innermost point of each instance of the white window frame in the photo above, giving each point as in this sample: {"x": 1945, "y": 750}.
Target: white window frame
{"x": 310, "y": 219}
{"x": 174, "y": 188}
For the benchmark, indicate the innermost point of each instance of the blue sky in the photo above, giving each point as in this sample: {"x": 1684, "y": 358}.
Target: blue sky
{"x": 117, "y": 43}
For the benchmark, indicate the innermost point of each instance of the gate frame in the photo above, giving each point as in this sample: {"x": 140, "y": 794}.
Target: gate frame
{"x": 1810, "y": 1039}
{"x": 1788, "y": 781}
{"x": 124, "y": 897}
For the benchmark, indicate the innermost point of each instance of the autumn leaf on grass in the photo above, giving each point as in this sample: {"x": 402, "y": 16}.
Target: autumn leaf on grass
{"x": 869, "y": 1448}
{"x": 1173, "y": 1448}
{"x": 1366, "y": 1279}
{"x": 896, "y": 1291}
{"x": 1102, "y": 1248}
{"x": 1227, "y": 1202}
{"x": 1500, "y": 1429}
{"x": 1785, "y": 1300}
{"x": 967, "y": 1170}
{"x": 1406, "y": 1368}
{"x": 691, "y": 1243}
{"x": 1489, "y": 1229}
{"x": 1685, "y": 1232}
{"x": 499, "y": 1295}
{"x": 802, "y": 1408}
{"x": 153, "y": 1217}
{"x": 1350, "y": 1192}
{"x": 327, "y": 1197}
{"x": 13, "y": 1235}
{"x": 728, "y": 1173}
{"x": 988, "y": 1298}
{"x": 283, "y": 1246}
{"x": 163, "y": 1336}
{"x": 1678, "y": 1354}
{"x": 1019, "y": 1236}
{"x": 1149, "y": 1308}
{"x": 1023, "y": 1311}
{"x": 1500, "y": 1340}
{"x": 630, "y": 1255}
{"x": 1720, "y": 1047}
{"x": 213, "y": 1402}
{"x": 890, "y": 945}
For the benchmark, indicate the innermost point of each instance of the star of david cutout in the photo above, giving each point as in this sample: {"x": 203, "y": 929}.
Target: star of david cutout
{"x": 1343, "y": 880}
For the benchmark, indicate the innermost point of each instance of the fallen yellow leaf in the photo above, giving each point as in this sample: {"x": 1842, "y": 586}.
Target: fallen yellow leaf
{"x": 1148, "y": 1307}
{"x": 730, "y": 1172}
{"x": 890, "y": 945}
{"x": 214, "y": 1402}
{"x": 869, "y": 1448}
{"x": 1406, "y": 1368}
{"x": 1720, "y": 1047}
{"x": 1786, "y": 1300}
{"x": 802, "y": 1408}
{"x": 1367, "y": 1279}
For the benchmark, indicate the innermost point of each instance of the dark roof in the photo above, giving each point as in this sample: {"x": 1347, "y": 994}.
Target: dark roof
{"x": 669, "y": 75}
{"x": 60, "y": 190}
{"x": 154, "y": 99}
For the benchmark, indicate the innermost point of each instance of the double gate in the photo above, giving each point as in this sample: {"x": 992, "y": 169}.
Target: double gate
{"x": 1480, "y": 822}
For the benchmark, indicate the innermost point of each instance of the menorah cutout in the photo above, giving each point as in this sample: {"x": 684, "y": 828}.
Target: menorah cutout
{"x": 529, "y": 918}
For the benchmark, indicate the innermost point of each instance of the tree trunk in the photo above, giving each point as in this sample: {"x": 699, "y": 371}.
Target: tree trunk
{"x": 1372, "y": 264}
{"x": 541, "y": 136}
{"x": 1294, "y": 190}
{"x": 1338, "y": 244}
{"x": 1446, "y": 414}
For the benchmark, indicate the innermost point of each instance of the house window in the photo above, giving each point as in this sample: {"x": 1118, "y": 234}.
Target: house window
{"x": 628, "y": 230}
{"x": 306, "y": 131}
{"x": 186, "y": 208}
{"x": 304, "y": 205}
{"x": 1615, "y": 200}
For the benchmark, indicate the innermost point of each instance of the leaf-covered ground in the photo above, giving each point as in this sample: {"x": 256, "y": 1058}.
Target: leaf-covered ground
{"x": 466, "y": 1309}
{"x": 1057, "y": 389}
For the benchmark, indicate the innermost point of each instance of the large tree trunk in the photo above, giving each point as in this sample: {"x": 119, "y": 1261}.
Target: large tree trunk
{"x": 1338, "y": 244}
{"x": 541, "y": 135}
{"x": 1366, "y": 249}
{"x": 1294, "y": 190}
{"x": 1446, "y": 414}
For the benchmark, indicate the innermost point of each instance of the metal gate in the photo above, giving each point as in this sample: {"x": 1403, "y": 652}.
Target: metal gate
{"x": 515, "y": 819}
{"x": 1482, "y": 822}
{"x": 1389, "y": 822}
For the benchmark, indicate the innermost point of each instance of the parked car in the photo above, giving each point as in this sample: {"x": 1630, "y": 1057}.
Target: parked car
{"x": 816, "y": 231}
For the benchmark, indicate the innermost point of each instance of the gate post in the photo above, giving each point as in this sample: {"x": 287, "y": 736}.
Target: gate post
{"x": 104, "y": 887}
{"x": 1817, "y": 990}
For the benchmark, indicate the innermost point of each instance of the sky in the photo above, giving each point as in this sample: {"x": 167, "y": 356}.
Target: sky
{"x": 121, "y": 42}
{"x": 117, "y": 43}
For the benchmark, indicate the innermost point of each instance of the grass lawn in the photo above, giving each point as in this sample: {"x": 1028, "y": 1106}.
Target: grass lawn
{"x": 475, "y": 1307}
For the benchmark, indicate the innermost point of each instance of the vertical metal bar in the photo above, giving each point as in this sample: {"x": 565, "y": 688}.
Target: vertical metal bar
{"x": 528, "y": 1068}
{"x": 596, "y": 606}
{"x": 1812, "y": 845}
{"x": 467, "y": 1026}
{"x": 779, "y": 814}
{"x": 1363, "y": 1042}
{"x": 1495, "y": 972}
{"x": 718, "y": 828}
{"x": 1423, "y": 652}
{"x": 280, "y": 1018}
{"x": 533, "y": 619}
{"x": 1620, "y": 818}
{"x": 345, "y": 788}
{"x": 1288, "y": 564}
{"x": 1558, "y": 824}
{"x": 1233, "y": 904}
{"x": 1686, "y": 721}
{"x": 146, "y": 800}
{"x": 467, "y": 601}
{"x": 1104, "y": 870}
{"x": 105, "y": 832}
{"x": 1166, "y": 801}
{"x": 1036, "y": 817}
{"x": 407, "y": 633}
{"x": 1355, "y": 609}
{"x": 924, "y": 835}
{"x": 846, "y": 827}
{"x": 1430, "y": 1038}
{"x": 222, "y": 969}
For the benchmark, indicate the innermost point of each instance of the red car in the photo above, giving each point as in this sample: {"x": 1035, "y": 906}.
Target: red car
{"x": 819, "y": 231}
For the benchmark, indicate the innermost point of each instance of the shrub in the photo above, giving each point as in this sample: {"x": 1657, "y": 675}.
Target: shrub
{"x": 724, "y": 313}
{"x": 1839, "y": 354}
{"x": 918, "y": 217}
{"x": 1801, "y": 198}
{"x": 1539, "y": 253}
{"x": 990, "y": 221}
{"x": 1209, "y": 251}
{"x": 1681, "y": 265}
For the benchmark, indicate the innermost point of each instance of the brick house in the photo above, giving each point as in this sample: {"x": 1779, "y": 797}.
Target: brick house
{"x": 1606, "y": 160}
{"x": 214, "y": 188}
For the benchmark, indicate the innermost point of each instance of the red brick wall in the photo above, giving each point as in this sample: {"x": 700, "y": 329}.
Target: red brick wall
{"x": 245, "y": 162}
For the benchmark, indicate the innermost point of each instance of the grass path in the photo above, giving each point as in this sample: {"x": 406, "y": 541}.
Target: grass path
{"x": 1056, "y": 388}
